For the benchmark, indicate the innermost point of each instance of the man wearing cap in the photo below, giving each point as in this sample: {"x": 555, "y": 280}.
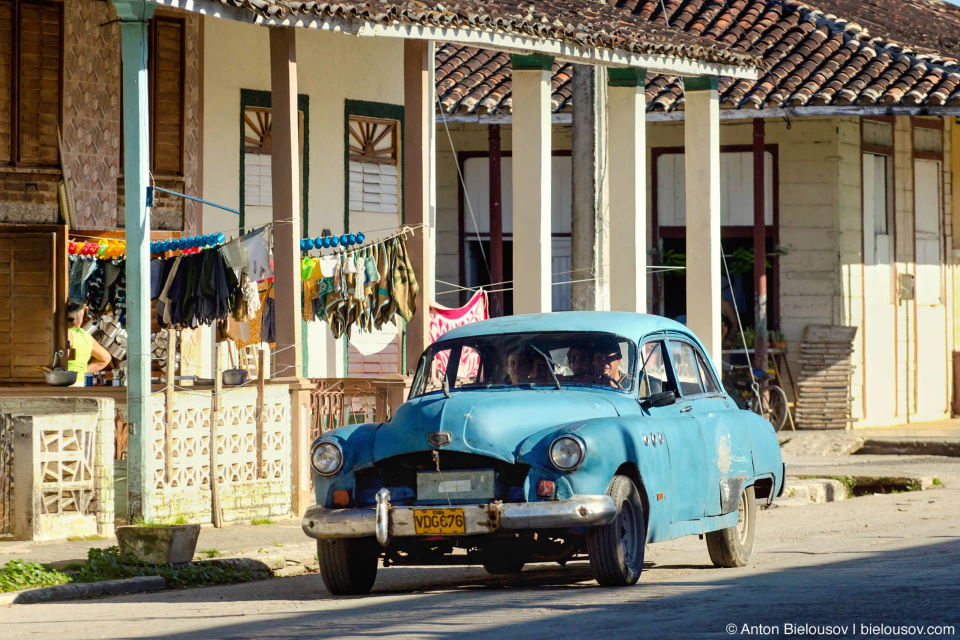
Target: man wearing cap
{"x": 606, "y": 363}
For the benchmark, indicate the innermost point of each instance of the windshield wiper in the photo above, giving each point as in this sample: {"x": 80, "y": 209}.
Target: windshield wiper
{"x": 550, "y": 364}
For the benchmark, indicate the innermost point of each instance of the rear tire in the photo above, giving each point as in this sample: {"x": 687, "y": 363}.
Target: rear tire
{"x": 616, "y": 549}
{"x": 733, "y": 546}
{"x": 348, "y": 566}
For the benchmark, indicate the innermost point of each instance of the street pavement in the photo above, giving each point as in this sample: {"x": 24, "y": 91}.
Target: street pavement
{"x": 875, "y": 560}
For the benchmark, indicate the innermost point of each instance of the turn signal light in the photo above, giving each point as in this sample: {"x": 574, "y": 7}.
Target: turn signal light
{"x": 545, "y": 489}
{"x": 341, "y": 498}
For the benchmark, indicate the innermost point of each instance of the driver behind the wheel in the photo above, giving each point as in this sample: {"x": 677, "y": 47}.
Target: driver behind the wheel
{"x": 606, "y": 362}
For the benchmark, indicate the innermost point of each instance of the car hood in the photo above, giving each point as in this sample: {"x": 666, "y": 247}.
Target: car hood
{"x": 490, "y": 422}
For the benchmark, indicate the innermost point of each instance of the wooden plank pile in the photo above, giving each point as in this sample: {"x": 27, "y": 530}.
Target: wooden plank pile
{"x": 824, "y": 399}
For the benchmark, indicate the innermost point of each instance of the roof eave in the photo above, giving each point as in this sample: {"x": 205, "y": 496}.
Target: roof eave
{"x": 728, "y": 113}
{"x": 210, "y": 8}
{"x": 561, "y": 50}
{"x": 488, "y": 39}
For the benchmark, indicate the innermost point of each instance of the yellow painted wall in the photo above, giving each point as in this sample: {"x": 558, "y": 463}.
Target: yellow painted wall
{"x": 332, "y": 68}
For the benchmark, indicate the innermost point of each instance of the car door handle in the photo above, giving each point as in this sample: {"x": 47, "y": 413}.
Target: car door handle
{"x": 687, "y": 409}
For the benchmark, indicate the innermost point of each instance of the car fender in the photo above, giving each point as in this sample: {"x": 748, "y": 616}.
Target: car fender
{"x": 356, "y": 441}
{"x": 613, "y": 445}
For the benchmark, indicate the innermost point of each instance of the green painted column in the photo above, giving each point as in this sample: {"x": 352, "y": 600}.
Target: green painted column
{"x": 134, "y": 15}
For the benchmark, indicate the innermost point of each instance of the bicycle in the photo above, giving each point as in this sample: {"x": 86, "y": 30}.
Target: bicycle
{"x": 769, "y": 403}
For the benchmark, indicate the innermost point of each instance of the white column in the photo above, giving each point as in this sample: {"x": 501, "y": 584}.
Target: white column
{"x": 704, "y": 262}
{"x": 532, "y": 76}
{"x": 628, "y": 179}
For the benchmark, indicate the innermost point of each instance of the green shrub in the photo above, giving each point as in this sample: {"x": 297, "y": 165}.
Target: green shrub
{"x": 17, "y": 575}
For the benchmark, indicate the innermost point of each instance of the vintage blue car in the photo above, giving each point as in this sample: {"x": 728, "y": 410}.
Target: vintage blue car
{"x": 538, "y": 438}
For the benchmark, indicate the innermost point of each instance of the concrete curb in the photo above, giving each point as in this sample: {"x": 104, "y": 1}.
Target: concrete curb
{"x": 79, "y": 590}
{"x": 262, "y": 563}
{"x": 814, "y": 490}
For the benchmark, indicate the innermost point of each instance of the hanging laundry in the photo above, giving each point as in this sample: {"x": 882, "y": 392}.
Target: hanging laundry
{"x": 251, "y": 253}
{"x": 405, "y": 286}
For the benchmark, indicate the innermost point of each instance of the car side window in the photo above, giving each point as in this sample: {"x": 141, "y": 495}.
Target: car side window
{"x": 654, "y": 370}
{"x": 709, "y": 382}
{"x": 685, "y": 367}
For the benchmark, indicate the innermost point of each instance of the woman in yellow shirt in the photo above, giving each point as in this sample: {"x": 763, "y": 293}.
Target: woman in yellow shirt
{"x": 87, "y": 354}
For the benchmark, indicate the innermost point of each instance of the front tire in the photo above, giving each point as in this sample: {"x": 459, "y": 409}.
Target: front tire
{"x": 733, "y": 546}
{"x": 348, "y": 566}
{"x": 616, "y": 549}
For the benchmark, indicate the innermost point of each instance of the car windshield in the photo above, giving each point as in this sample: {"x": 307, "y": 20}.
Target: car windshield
{"x": 526, "y": 360}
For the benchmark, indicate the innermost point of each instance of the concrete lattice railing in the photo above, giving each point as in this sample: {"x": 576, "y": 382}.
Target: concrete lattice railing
{"x": 253, "y": 468}
{"x": 62, "y": 466}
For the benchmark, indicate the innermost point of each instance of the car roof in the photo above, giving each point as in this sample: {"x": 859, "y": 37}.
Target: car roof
{"x": 621, "y": 323}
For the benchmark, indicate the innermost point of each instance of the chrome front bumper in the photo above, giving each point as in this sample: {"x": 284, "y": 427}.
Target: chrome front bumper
{"x": 386, "y": 521}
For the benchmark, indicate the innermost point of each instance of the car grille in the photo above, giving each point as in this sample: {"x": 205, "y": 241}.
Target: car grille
{"x": 399, "y": 475}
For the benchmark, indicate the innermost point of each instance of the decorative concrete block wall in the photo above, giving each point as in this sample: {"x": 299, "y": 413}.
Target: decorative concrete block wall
{"x": 62, "y": 466}
{"x": 253, "y": 472}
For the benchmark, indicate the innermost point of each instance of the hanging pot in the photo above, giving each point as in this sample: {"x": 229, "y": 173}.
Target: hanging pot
{"x": 234, "y": 377}
{"x": 59, "y": 377}
{"x": 117, "y": 351}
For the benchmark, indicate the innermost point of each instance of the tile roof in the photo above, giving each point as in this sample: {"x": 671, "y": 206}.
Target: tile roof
{"x": 813, "y": 57}
{"x": 586, "y": 23}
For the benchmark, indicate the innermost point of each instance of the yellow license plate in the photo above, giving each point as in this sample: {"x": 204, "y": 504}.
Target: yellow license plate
{"x": 438, "y": 521}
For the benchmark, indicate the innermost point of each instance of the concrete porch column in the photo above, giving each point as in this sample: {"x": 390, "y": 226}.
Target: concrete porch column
{"x": 285, "y": 161}
{"x": 418, "y": 162}
{"x": 134, "y": 16}
{"x": 704, "y": 261}
{"x": 531, "y": 132}
{"x": 628, "y": 201}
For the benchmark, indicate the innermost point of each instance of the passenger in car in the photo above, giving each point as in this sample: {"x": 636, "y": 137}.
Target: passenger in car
{"x": 519, "y": 366}
{"x": 580, "y": 361}
{"x": 526, "y": 366}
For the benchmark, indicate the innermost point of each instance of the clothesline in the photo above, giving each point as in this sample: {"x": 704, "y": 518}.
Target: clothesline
{"x": 406, "y": 229}
{"x": 486, "y": 287}
{"x": 502, "y": 290}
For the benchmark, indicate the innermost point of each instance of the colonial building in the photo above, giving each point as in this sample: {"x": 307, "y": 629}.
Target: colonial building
{"x": 853, "y": 115}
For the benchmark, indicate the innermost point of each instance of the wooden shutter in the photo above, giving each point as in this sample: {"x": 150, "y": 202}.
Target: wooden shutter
{"x": 27, "y": 301}
{"x": 39, "y": 83}
{"x": 6, "y": 82}
{"x": 167, "y": 89}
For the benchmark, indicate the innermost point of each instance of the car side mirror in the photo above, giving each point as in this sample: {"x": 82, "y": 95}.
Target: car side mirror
{"x": 663, "y": 399}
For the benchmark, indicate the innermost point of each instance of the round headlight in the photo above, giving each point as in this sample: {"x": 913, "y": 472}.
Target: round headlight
{"x": 326, "y": 457}
{"x": 567, "y": 452}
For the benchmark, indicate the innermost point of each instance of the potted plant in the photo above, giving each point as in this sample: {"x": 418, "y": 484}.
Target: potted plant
{"x": 776, "y": 340}
{"x": 154, "y": 543}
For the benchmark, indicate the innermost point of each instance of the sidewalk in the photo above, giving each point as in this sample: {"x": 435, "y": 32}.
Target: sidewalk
{"x": 921, "y": 451}
{"x": 283, "y": 537}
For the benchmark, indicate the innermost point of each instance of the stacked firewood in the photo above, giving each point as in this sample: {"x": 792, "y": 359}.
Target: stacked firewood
{"x": 824, "y": 398}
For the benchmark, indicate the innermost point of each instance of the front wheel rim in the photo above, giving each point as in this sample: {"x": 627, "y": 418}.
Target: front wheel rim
{"x": 627, "y": 530}
{"x": 743, "y": 526}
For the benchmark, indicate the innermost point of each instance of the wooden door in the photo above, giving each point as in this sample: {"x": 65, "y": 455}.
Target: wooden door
{"x": 28, "y": 335}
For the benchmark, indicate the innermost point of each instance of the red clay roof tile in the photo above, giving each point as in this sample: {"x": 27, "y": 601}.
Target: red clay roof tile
{"x": 821, "y": 52}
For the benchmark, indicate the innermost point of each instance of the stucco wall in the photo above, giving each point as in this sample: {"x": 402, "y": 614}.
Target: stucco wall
{"x": 332, "y": 68}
